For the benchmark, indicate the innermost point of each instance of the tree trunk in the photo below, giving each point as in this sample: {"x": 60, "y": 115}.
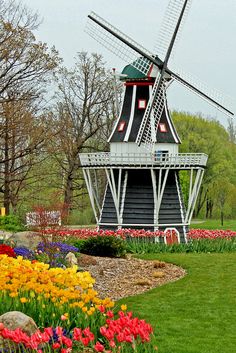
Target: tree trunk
{"x": 222, "y": 217}
{"x": 209, "y": 208}
{"x": 68, "y": 194}
{"x": 14, "y": 203}
{"x": 200, "y": 201}
{"x": 6, "y": 201}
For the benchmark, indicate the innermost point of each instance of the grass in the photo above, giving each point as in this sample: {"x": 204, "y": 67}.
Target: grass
{"x": 214, "y": 224}
{"x": 197, "y": 313}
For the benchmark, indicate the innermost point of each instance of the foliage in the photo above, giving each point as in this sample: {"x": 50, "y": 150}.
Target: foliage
{"x": 200, "y": 135}
{"x": 145, "y": 246}
{"x": 104, "y": 246}
{"x": 78, "y": 243}
{"x": 85, "y": 217}
{"x": 11, "y": 223}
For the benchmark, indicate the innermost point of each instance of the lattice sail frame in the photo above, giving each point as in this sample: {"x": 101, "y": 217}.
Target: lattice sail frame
{"x": 152, "y": 114}
{"x": 113, "y": 44}
{"x": 168, "y": 24}
{"x": 213, "y": 93}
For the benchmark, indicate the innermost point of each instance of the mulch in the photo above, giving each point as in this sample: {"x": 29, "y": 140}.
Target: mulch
{"x": 123, "y": 277}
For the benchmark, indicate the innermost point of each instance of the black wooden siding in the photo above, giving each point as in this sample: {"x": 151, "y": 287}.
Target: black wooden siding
{"x": 139, "y": 202}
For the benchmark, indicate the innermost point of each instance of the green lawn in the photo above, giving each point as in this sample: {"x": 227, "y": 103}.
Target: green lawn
{"x": 213, "y": 224}
{"x": 196, "y": 314}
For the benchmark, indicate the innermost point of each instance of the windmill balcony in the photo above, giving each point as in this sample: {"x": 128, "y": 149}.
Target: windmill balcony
{"x": 142, "y": 160}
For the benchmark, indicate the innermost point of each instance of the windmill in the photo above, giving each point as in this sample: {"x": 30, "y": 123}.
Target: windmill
{"x": 142, "y": 168}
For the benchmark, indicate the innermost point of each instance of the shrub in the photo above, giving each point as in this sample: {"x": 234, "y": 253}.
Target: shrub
{"x": 11, "y": 223}
{"x": 104, "y": 246}
{"x": 78, "y": 243}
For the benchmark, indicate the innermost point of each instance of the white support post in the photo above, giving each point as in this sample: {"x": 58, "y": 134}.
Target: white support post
{"x": 159, "y": 183}
{"x": 112, "y": 185}
{"x": 96, "y": 187}
{"x": 197, "y": 192}
{"x": 194, "y": 194}
{"x": 154, "y": 186}
{"x": 88, "y": 181}
{"x": 190, "y": 186}
{"x": 162, "y": 188}
{"x": 119, "y": 185}
{"x": 95, "y": 190}
{"x": 122, "y": 203}
{"x": 181, "y": 205}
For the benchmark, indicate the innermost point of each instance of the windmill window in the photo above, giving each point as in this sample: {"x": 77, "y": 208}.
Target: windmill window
{"x": 142, "y": 103}
{"x": 162, "y": 128}
{"x": 121, "y": 126}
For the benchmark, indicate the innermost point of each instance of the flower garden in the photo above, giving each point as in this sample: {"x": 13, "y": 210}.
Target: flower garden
{"x": 69, "y": 314}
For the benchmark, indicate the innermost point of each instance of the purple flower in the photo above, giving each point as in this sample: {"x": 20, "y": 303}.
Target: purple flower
{"x": 56, "y": 252}
{"x": 26, "y": 253}
{"x": 56, "y": 247}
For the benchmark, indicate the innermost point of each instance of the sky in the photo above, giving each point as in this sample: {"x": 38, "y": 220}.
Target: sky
{"x": 206, "y": 48}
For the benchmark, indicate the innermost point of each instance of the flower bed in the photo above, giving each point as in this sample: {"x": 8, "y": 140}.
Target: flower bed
{"x": 85, "y": 233}
{"x": 72, "y": 316}
{"x": 46, "y": 293}
{"x": 122, "y": 334}
{"x": 7, "y": 250}
{"x": 211, "y": 234}
{"x": 52, "y": 253}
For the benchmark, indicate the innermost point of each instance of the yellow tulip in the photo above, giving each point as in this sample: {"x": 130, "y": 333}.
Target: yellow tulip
{"x": 23, "y": 300}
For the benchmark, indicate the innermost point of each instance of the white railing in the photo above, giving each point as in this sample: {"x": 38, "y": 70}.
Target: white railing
{"x": 180, "y": 160}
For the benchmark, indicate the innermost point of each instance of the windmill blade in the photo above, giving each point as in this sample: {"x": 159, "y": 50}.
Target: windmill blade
{"x": 152, "y": 115}
{"x": 212, "y": 96}
{"x": 120, "y": 44}
{"x": 168, "y": 25}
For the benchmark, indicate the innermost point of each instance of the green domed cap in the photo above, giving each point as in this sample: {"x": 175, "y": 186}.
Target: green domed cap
{"x": 132, "y": 73}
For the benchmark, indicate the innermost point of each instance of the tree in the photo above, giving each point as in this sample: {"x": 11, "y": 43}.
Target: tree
{"x": 231, "y": 130}
{"x": 25, "y": 63}
{"x": 25, "y": 67}
{"x": 201, "y": 135}
{"x": 84, "y": 112}
{"x": 224, "y": 190}
{"x": 23, "y": 140}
